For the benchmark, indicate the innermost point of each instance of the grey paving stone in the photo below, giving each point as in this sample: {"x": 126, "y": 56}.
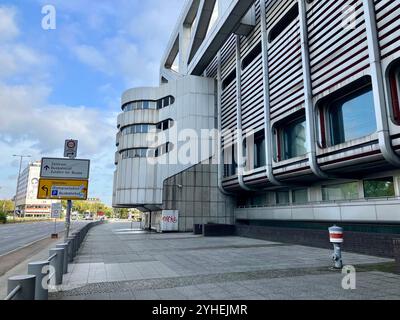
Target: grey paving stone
{"x": 115, "y": 264}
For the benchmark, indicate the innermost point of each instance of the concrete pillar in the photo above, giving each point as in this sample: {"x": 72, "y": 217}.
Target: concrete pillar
{"x": 57, "y": 263}
{"x": 70, "y": 254}
{"x": 27, "y": 283}
{"x": 41, "y": 270}
{"x": 65, "y": 261}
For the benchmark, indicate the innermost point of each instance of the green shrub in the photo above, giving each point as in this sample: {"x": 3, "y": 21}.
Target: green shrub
{"x": 3, "y": 218}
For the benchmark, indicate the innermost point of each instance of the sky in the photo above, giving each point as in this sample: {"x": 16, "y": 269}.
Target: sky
{"x": 67, "y": 82}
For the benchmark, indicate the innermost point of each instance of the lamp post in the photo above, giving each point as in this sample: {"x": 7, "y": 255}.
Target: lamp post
{"x": 21, "y": 157}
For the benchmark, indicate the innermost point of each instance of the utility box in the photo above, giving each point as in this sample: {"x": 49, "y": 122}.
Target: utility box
{"x": 198, "y": 229}
{"x": 169, "y": 221}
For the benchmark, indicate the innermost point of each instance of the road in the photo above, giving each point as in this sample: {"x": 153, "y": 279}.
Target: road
{"x": 15, "y": 236}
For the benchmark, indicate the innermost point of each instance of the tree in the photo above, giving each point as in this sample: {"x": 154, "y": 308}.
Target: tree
{"x": 89, "y": 206}
{"x": 122, "y": 213}
{"x": 6, "y": 206}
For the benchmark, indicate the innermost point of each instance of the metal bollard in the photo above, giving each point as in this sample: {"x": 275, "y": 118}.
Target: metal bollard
{"x": 336, "y": 237}
{"x": 76, "y": 248}
{"x": 41, "y": 270}
{"x": 396, "y": 253}
{"x": 70, "y": 249}
{"x": 79, "y": 239}
{"x": 65, "y": 262}
{"x": 27, "y": 287}
{"x": 74, "y": 245}
{"x": 57, "y": 263}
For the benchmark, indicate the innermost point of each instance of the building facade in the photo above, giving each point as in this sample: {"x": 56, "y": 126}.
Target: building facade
{"x": 27, "y": 202}
{"x": 304, "y": 95}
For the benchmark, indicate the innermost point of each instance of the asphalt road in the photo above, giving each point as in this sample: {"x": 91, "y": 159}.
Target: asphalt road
{"x": 15, "y": 236}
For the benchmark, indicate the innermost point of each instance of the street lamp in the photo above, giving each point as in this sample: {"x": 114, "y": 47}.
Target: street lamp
{"x": 21, "y": 157}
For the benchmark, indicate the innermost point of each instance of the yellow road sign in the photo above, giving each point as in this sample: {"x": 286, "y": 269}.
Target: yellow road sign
{"x": 63, "y": 189}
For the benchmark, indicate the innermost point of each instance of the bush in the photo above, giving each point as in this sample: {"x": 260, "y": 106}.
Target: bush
{"x": 3, "y": 218}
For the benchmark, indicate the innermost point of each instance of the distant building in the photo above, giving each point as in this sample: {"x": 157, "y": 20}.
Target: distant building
{"x": 27, "y": 203}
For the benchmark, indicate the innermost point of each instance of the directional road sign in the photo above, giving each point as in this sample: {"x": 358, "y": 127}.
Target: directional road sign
{"x": 56, "y": 209}
{"x": 63, "y": 189}
{"x": 71, "y": 149}
{"x": 54, "y": 168}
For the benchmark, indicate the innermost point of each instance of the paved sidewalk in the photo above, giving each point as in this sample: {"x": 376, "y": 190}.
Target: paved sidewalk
{"x": 119, "y": 264}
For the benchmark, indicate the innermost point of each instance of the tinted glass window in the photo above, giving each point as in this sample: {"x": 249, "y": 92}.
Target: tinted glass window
{"x": 352, "y": 117}
{"x": 259, "y": 151}
{"x": 282, "y": 197}
{"x": 166, "y": 102}
{"x": 259, "y": 200}
{"x": 294, "y": 139}
{"x": 345, "y": 191}
{"x": 300, "y": 196}
{"x": 382, "y": 187}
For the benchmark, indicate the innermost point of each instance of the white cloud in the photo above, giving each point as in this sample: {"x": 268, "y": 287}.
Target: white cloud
{"x": 29, "y": 125}
{"x": 92, "y": 57}
{"x": 123, "y": 40}
{"x": 134, "y": 47}
{"x": 17, "y": 59}
{"x": 8, "y": 26}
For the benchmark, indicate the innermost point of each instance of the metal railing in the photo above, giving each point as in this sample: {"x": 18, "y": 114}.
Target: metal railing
{"x": 35, "y": 285}
{"x": 13, "y": 293}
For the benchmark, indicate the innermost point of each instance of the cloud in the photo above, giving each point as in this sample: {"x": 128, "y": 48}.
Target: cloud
{"x": 131, "y": 42}
{"x": 122, "y": 43}
{"x": 29, "y": 125}
{"x": 26, "y": 115}
{"x": 8, "y": 26}
{"x": 18, "y": 60}
{"x": 92, "y": 57}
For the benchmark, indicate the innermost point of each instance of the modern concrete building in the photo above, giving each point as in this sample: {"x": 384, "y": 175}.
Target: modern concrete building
{"x": 310, "y": 93}
{"x": 27, "y": 202}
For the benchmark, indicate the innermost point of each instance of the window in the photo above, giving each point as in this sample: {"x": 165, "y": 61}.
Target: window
{"x": 254, "y": 53}
{"x": 164, "y": 149}
{"x": 349, "y": 114}
{"x": 382, "y": 187}
{"x": 135, "y": 153}
{"x": 230, "y": 165}
{"x": 291, "y": 139}
{"x": 394, "y": 82}
{"x": 300, "y": 196}
{"x": 344, "y": 191}
{"x": 282, "y": 197}
{"x": 258, "y": 200}
{"x": 165, "y": 125}
{"x": 259, "y": 150}
{"x": 282, "y": 24}
{"x": 138, "y": 128}
{"x": 166, "y": 102}
{"x": 148, "y": 104}
{"x": 229, "y": 79}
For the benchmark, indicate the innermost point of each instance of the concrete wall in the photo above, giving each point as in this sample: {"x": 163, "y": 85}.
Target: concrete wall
{"x": 196, "y": 195}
